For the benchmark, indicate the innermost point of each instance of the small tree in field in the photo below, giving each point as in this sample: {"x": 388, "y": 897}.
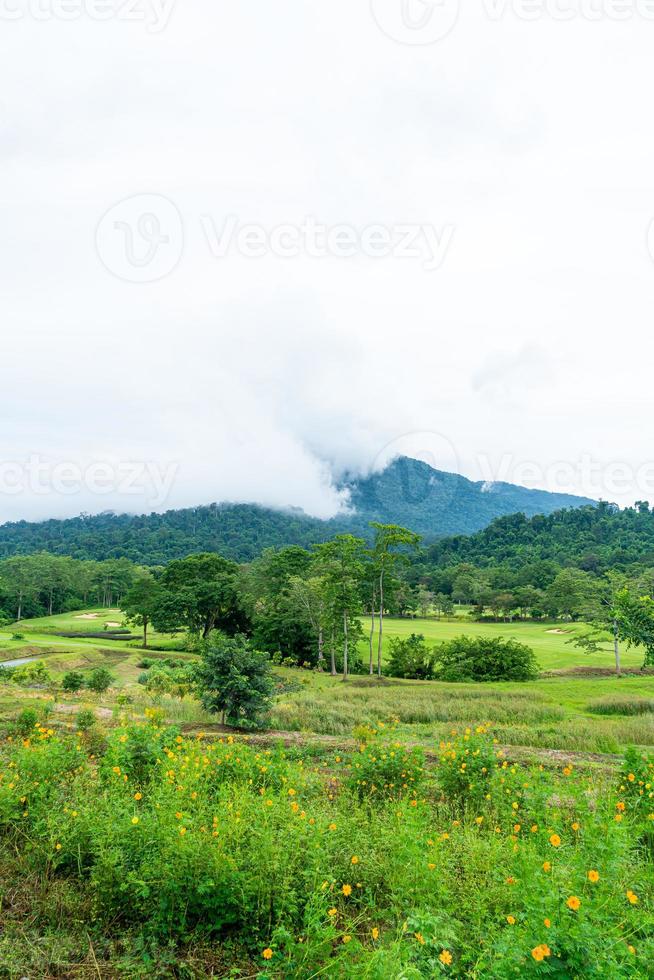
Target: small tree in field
{"x": 234, "y": 680}
{"x": 100, "y": 680}
{"x": 72, "y": 682}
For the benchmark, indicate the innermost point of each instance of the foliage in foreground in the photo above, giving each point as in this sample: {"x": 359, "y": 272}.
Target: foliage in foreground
{"x": 475, "y": 868}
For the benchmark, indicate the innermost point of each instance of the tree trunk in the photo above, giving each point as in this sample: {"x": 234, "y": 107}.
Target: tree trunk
{"x": 20, "y": 607}
{"x": 381, "y": 624}
{"x": 50, "y": 600}
{"x": 321, "y": 655}
{"x": 372, "y": 631}
{"x": 333, "y": 655}
{"x": 145, "y": 632}
{"x": 616, "y": 646}
{"x": 345, "y": 650}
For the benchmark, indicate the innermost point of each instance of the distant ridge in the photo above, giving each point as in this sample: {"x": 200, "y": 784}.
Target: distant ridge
{"x": 407, "y": 492}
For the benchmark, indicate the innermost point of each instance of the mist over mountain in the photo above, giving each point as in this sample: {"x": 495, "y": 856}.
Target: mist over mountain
{"x": 407, "y": 492}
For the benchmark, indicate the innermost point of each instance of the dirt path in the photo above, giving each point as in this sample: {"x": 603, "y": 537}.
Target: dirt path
{"x": 526, "y": 754}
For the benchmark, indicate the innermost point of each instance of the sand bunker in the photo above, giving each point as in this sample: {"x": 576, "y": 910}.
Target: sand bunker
{"x": 87, "y": 616}
{"x": 113, "y": 624}
{"x": 558, "y": 631}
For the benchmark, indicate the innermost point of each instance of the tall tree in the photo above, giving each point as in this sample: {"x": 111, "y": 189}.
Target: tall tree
{"x": 341, "y": 564}
{"x": 385, "y": 556}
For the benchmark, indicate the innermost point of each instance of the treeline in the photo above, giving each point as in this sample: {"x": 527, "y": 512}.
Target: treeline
{"x": 304, "y": 605}
{"x": 44, "y": 584}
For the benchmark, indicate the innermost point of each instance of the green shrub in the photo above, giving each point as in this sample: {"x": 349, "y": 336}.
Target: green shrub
{"x": 85, "y": 719}
{"x": 485, "y": 659}
{"x": 73, "y": 681}
{"x": 637, "y": 780}
{"x": 410, "y": 658}
{"x": 25, "y": 722}
{"x": 100, "y": 680}
{"x": 467, "y": 765}
{"x": 31, "y": 675}
{"x": 386, "y": 771}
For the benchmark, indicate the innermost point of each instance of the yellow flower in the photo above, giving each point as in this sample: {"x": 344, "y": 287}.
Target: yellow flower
{"x": 332, "y": 826}
{"x": 57, "y": 847}
{"x": 534, "y": 829}
{"x": 355, "y": 860}
{"x": 421, "y": 939}
{"x": 567, "y": 771}
{"x": 573, "y": 903}
{"x": 516, "y": 828}
{"x": 347, "y": 890}
{"x": 632, "y": 897}
{"x": 267, "y": 953}
{"x": 445, "y": 957}
{"x": 575, "y": 826}
{"x": 593, "y": 876}
{"x": 138, "y": 796}
{"x": 510, "y": 920}
{"x": 182, "y": 831}
{"x": 547, "y": 923}
{"x": 332, "y": 912}
{"x": 375, "y": 933}
{"x": 346, "y": 939}
{"x": 632, "y": 950}
{"x": 555, "y": 840}
{"x": 540, "y": 952}
{"x": 135, "y": 820}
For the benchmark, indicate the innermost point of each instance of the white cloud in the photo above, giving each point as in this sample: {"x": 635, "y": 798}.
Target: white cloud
{"x": 258, "y": 378}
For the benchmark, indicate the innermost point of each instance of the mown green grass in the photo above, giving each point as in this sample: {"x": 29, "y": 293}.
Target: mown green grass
{"x": 551, "y": 648}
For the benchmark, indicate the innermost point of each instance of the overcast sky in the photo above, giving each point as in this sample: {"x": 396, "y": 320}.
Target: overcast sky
{"x": 246, "y": 247}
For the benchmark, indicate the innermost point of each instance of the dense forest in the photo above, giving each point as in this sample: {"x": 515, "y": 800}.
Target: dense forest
{"x": 408, "y": 492}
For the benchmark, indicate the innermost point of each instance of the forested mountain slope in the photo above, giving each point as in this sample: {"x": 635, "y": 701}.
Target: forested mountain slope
{"x": 408, "y": 492}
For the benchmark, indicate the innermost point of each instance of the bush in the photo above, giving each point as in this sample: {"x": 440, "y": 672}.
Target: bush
{"x": 25, "y": 722}
{"x": 637, "y": 780}
{"x": 467, "y": 764}
{"x": 85, "y": 719}
{"x": 411, "y": 658}
{"x": 235, "y": 680}
{"x": 100, "y": 680}
{"x": 386, "y": 771}
{"x": 31, "y": 675}
{"x": 73, "y": 681}
{"x": 485, "y": 659}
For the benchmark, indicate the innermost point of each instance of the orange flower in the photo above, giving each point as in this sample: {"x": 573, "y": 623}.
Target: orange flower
{"x": 354, "y": 860}
{"x": 632, "y": 897}
{"x": 573, "y": 903}
{"x": 593, "y": 876}
{"x": 547, "y": 866}
{"x": 445, "y": 957}
{"x": 267, "y": 953}
{"x": 510, "y": 920}
{"x": 555, "y": 840}
{"x": 547, "y": 923}
{"x": 138, "y": 796}
{"x": 540, "y": 952}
